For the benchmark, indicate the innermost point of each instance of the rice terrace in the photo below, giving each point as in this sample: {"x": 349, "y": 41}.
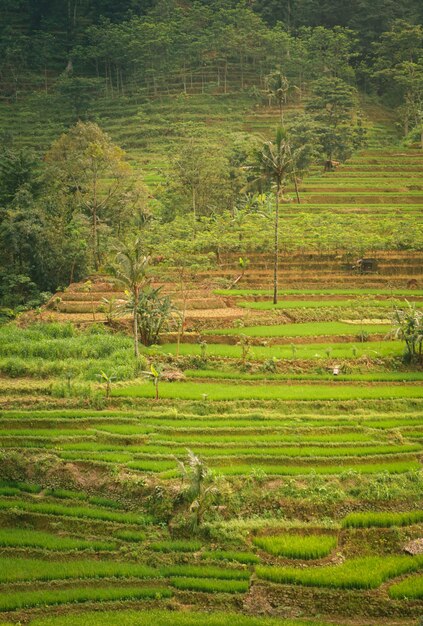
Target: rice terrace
{"x": 211, "y": 313}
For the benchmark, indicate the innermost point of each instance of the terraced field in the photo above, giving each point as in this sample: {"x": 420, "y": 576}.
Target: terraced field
{"x": 305, "y": 417}
{"x": 315, "y": 479}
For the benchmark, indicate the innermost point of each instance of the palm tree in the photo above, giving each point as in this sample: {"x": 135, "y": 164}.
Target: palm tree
{"x": 277, "y": 86}
{"x": 276, "y": 163}
{"x": 131, "y": 271}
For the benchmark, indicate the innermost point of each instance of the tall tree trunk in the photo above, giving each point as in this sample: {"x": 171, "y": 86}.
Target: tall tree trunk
{"x": 276, "y": 247}
{"x": 136, "y": 349}
{"x": 95, "y": 238}
{"x": 296, "y": 189}
{"x": 194, "y": 203}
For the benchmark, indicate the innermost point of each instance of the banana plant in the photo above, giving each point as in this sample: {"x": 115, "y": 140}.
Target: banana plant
{"x": 155, "y": 375}
{"x": 108, "y": 379}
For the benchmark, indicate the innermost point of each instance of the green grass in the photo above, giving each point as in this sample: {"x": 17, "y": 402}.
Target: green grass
{"x": 234, "y": 437}
{"x": 13, "y": 600}
{"x": 409, "y": 589}
{"x": 211, "y": 585}
{"x": 303, "y": 470}
{"x": 368, "y": 520}
{"x": 214, "y": 391}
{"x": 166, "y": 618}
{"x": 298, "y": 451}
{"x": 338, "y": 350}
{"x": 21, "y": 569}
{"x": 320, "y": 304}
{"x": 72, "y": 511}
{"x": 176, "y": 546}
{"x": 23, "y": 537}
{"x": 129, "y": 535}
{"x": 248, "y": 558}
{"x": 323, "y": 292}
{"x": 358, "y": 573}
{"x": 261, "y": 376}
{"x": 304, "y": 329}
{"x": 205, "y": 571}
{"x": 297, "y": 546}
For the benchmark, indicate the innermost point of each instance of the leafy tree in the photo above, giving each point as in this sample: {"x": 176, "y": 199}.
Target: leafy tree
{"x": 200, "y": 180}
{"x": 398, "y": 70}
{"x": 91, "y": 172}
{"x": 78, "y": 92}
{"x": 329, "y": 52}
{"x": 332, "y": 104}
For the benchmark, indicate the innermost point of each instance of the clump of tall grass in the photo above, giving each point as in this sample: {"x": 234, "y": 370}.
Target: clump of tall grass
{"x": 72, "y": 511}
{"x": 53, "y": 350}
{"x": 297, "y": 546}
{"x": 385, "y": 519}
{"x": 129, "y": 535}
{"x": 211, "y": 585}
{"x": 14, "y": 600}
{"x": 359, "y": 573}
{"x": 22, "y": 537}
{"x": 204, "y": 571}
{"x": 165, "y": 618}
{"x": 228, "y": 555}
{"x": 410, "y": 588}
{"x": 178, "y": 545}
{"x": 17, "y": 569}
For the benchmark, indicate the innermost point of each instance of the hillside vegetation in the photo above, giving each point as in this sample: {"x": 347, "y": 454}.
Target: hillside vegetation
{"x": 211, "y": 313}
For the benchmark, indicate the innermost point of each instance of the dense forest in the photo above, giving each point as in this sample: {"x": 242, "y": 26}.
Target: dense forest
{"x": 61, "y": 210}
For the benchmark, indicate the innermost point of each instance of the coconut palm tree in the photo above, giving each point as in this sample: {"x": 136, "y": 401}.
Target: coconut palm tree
{"x": 276, "y": 163}
{"x": 277, "y": 87}
{"x": 131, "y": 271}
